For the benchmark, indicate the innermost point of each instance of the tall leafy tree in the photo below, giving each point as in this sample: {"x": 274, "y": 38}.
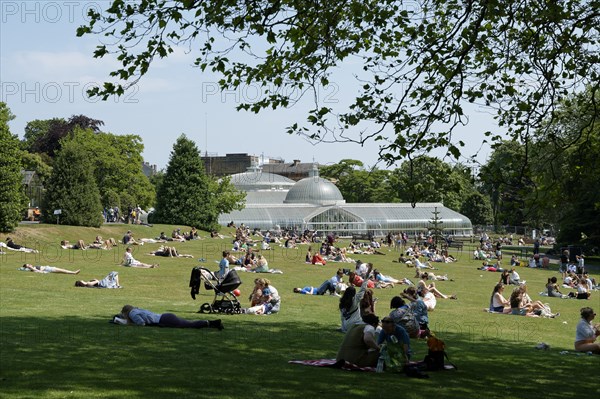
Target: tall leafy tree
{"x": 428, "y": 179}
{"x": 72, "y": 189}
{"x": 117, "y": 164}
{"x": 44, "y": 136}
{"x": 187, "y": 195}
{"x": 566, "y": 194}
{"x": 358, "y": 184}
{"x": 12, "y": 196}
{"x": 478, "y": 209}
{"x": 418, "y": 64}
{"x": 506, "y": 178}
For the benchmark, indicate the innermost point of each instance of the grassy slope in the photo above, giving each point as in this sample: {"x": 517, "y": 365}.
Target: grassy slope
{"x": 56, "y": 340}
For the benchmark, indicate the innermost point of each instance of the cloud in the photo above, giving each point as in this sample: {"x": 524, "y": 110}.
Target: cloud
{"x": 52, "y": 66}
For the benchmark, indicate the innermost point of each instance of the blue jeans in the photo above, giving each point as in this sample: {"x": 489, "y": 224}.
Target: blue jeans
{"x": 326, "y": 286}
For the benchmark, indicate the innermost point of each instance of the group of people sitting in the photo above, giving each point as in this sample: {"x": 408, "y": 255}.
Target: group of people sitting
{"x": 519, "y": 303}
{"x": 367, "y": 341}
{"x": 264, "y": 298}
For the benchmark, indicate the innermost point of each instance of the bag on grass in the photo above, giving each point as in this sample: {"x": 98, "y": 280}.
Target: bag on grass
{"x": 436, "y": 356}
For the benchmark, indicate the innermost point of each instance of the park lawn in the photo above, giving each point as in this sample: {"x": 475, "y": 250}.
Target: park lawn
{"x": 56, "y": 342}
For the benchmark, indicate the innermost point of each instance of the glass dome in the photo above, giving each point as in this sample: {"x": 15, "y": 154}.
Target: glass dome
{"x": 314, "y": 190}
{"x": 255, "y": 179}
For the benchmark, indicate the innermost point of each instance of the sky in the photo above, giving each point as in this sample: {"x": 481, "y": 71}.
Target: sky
{"x": 45, "y": 70}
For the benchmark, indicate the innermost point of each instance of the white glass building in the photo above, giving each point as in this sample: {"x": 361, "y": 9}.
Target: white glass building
{"x": 276, "y": 202}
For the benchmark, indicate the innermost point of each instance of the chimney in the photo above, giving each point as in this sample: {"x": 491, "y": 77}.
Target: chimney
{"x": 296, "y": 162}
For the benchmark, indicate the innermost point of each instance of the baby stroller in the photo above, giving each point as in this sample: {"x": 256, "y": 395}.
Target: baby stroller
{"x": 225, "y": 301}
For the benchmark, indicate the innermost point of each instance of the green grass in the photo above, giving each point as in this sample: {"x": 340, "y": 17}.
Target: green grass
{"x": 56, "y": 341}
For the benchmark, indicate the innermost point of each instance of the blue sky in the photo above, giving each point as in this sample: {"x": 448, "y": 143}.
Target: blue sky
{"x": 45, "y": 70}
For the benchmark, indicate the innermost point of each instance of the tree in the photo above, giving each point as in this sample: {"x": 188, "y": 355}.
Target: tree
{"x": 44, "y": 136}
{"x": 72, "y": 189}
{"x": 419, "y": 66}
{"x": 506, "y": 178}
{"x": 35, "y": 162}
{"x": 428, "y": 179}
{"x": 117, "y": 164}
{"x": 478, "y": 209}
{"x": 12, "y": 196}
{"x": 357, "y": 184}
{"x": 566, "y": 194}
{"x": 187, "y": 195}
{"x": 437, "y": 227}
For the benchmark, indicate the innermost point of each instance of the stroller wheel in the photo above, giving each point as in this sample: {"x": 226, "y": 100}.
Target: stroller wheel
{"x": 206, "y": 308}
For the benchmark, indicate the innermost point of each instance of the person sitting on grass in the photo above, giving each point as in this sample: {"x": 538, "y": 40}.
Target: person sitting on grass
{"x": 317, "y": 259}
{"x": 499, "y": 304}
{"x": 514, "y": 261}
{"x": 583, "y": 289}
{"x": 129, "y": 240}
{"x": 130, "y": 261}
{"x": 419, "y": 309}
{"x": 587, "y": 333}
{"x": 359, "y": 346}
{"x": 110, "y": 281}
{"x": 552, "y": 287}
{"x": 262, "y": 265}
{"x": 397, "y": 345}
{"x": 350, "y": 304}
{"x": 143, "y": 317}
{"x": 517, "y": 305}
{"x": 514, "y": 278}
{"x": 27, "y": 267}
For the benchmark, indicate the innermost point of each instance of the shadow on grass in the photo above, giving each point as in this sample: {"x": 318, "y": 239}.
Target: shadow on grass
{"x": 88, "y": 357}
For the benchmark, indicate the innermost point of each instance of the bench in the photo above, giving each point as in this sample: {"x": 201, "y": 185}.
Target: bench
{"x": 458, "y": 245}
{"x": 362, "y": 237}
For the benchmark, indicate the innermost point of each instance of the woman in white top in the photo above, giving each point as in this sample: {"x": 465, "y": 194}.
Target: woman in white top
{"x": 498, "y": 303}
{"x": 130, "y": 261}
{"x": 350, "y": 304}
{"x": 587, "y": 333}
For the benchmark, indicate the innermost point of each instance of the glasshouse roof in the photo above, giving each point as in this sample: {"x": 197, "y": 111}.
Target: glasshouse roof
{"x": 315, "y": 203}
{"x": 256, "y": 179}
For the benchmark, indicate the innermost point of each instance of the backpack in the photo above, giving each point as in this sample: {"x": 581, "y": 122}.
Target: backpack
{"x": 434, "y": 360}
{"x": 409, "y": 322}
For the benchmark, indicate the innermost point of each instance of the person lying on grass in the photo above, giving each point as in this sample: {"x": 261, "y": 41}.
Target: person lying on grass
{"x": 169, "y": 252}
{"x": 327, "y": 286}
{"x": 10, "y": 244}
{"x": 27, "y": 267}
{"x": 110, "y": 281}
{"x": 143, "y": 317}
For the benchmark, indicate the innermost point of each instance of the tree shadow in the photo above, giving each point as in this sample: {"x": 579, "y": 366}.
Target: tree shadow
{"x": 89, "y": 357}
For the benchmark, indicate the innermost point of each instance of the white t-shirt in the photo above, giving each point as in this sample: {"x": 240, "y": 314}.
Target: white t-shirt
{"x": 430, "y": 301}
{"x": 584, "y": 331}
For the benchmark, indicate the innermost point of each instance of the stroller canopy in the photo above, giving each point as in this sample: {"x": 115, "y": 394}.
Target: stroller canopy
{"x": 230, "y": 282}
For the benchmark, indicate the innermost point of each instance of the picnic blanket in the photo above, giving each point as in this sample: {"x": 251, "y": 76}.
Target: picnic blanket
{"x": 333, "y": 364}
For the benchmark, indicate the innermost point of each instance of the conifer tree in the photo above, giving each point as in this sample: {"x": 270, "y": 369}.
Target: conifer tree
{"x": 72, "y": 189}
{"x": 12, "y": 196}
{"x": 187, "y": 195}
